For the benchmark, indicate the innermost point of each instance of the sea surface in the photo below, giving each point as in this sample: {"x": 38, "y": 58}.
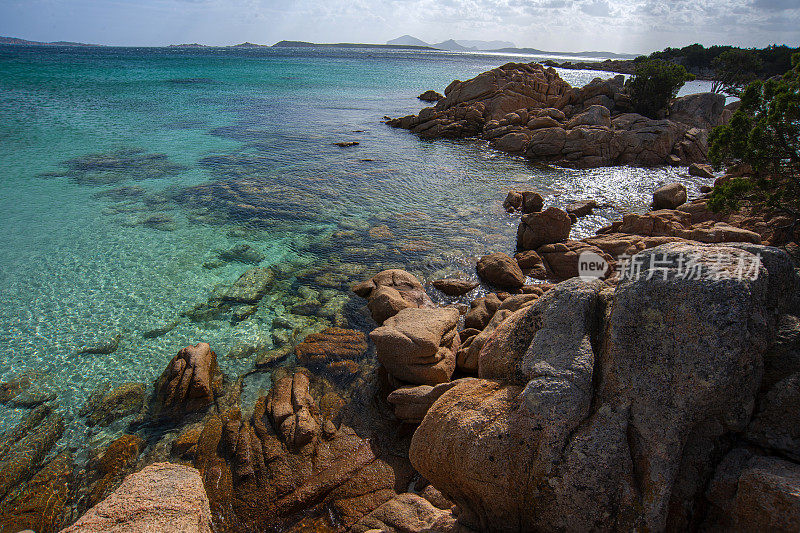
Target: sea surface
{"x": 126, "y": 172}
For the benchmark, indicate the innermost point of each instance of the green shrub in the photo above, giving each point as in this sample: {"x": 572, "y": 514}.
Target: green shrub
{"x": 764, "y": 133}
{"x": 653, "y": 84}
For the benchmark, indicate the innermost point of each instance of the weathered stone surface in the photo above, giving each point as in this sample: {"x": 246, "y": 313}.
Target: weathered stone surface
{"x": 701, "y": 170}
{"x": 561, "y": 260}
{"x": 104, "y": 472}
{"x": 189, "y": 382}
{"x": 419, "y": 345}
{"x": 390, "y": 291}
{"x": 481, "y": 311}
{"x": 582, "y": 208}
{"x": 537, "y": 229}
{"x": 752, "y": 493}
{"x": 406, "y": 513}
{"x": 331, "y": 345}
{"x": 292, "y": 410}
{"x": 411, "y": 403}
{"x": 531, "y": 264}
{"x": 162, "y": 497}
{"x": 500, "y": 270}
{"x": 430, "y": 96}
{"x": 532, "y": 202}
{"x": 595, "y": 115}
{"x": 669, "y": 196}
{"x": 455, "y": 287}
{"x": 624, "y": 407}
{"x": 250, "y": 287}
{"x": 701, "y": 110}
{"x": 774, "y": 424}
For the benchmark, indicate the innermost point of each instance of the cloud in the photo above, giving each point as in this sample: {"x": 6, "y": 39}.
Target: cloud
{"x": 776, "y": 5}
{"x": 596, "y": 8}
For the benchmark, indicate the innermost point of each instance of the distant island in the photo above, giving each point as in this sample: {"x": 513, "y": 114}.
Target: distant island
{"x": 304, "y": 44}
{"x": 18, "y": 41}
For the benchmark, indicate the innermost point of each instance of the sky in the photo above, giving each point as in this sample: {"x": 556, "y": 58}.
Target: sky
{"x": 629, "y": 26}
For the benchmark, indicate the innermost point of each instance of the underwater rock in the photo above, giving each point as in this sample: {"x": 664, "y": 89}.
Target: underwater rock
{"x": 105, "y": 405}
{"x": 250, "y": 287}
{"x": 105, "y": 471}
{"x": 117, "y": 166}
{"x": 345, "y": 144}
{"x": 103, "y": 347}
{"x": 40, "y": 504}
{"x": 243, "y": 312}
{"x": 158, "y": 331}
{"x": 26, "y": 445}
{"x": 330, "y": 345}
{"x": 242, "y": 253}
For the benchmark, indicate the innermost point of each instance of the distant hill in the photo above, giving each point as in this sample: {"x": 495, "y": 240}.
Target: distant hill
{"x": 407, "y": 40}
{"x": 248, "y": 45}
{"x": 450, "y": 45}
{"x": 18, "y": 41}
{"x": 304, "y": 44}
{"x": 187, "y": 45}
{"x": 485, "y": 45}
{"x": 535, "y": 51}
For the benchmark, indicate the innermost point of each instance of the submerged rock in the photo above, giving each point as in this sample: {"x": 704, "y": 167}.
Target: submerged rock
{"x": 250, "y": 287}
{"x": 103, "y": 347}
{"x": 106, "y": 405}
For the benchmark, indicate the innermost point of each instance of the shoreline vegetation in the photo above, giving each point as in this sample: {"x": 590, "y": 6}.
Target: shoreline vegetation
{"x": 661, "y": 393}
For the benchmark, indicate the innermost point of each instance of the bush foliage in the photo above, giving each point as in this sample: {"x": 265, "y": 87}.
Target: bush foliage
{"x": 653, "y": 84}
{"x": 763, "y": 133}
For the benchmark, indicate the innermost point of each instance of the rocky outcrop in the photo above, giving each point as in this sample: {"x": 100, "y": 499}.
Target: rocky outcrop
{"x": 419, "y": 345}
{"x": 263, "y": 471}
{"x": 411, "y": 403}
{"x": 188, "y": 384}
{"x": 537, "y": 229}
{"x": 501, "y": 271}
{"x": 430, "y": 96}
{"x": 528, "y": 109}
{"x": 455, "y": 287}
{"x": 390, "y": 291}
{"x": 162, "y": 497}
{"x": 669, "y": 196}
{"x": 406, "y": 513}
{"x": 607, "y": 409}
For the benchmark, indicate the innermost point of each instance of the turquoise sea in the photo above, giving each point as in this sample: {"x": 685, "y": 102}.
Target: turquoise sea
{"x": 124, "y": 172}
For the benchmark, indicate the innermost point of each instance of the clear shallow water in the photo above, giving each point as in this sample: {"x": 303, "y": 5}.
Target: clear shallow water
{"x": 201, "y": 150}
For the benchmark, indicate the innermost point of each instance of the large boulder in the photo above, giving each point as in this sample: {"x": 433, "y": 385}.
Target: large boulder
{"x": 481, "y": 311}
{"x": 455, "y": 287}
{"x": 562, "y": 260}
{"x": 390, "y": 291}
{"x": 500, "y": 270}
{"x": 419, "y": 345}
{"x": 537, "y": 229}
{"x": 163, "y": 497}
{"x": 628, "y": 402}
{"x": 411, "y": 403}
{"x": 701, "y": 110}
{"x": 188, "y": 384}
{"x": 669, "y": 196}
{"x": 753, "y": 493}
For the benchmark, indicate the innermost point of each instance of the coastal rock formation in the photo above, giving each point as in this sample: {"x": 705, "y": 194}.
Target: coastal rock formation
{"x": 390, "y": 291}
{"x": 162, "y": 497}
{"x": 500, "y": 270}
{"x": 537, "y": 229}
{"x": 189, "y": 383}
{"x": 528, "y": 109}
{"x": 430, "y": 96}
{"x": 411, "y": 403}
{"x": 455, "y": 287}
{"x": 263, "y": 471}
{"x": 669, "y": 196}
{"x": 419, "y": 345}
{"x": 608, "y": 409}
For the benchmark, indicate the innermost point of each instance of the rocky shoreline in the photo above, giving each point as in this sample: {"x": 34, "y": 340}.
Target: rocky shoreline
{"x": 659, "y": 393}
{"x": 527, "y": 109}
